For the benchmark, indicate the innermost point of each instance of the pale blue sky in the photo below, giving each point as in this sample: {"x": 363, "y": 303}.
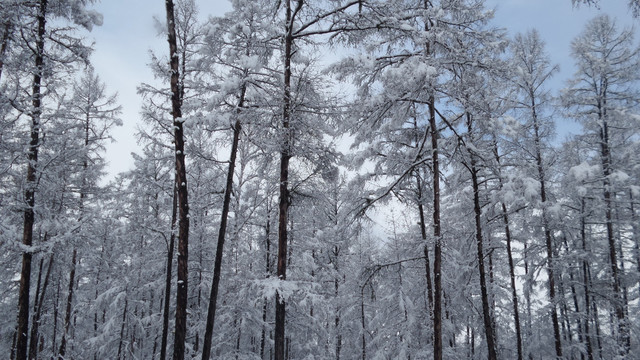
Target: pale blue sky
{"x": 123, "y": 42}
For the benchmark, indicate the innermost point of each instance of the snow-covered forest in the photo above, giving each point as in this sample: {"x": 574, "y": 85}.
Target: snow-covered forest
{"x": 328, "y": 179}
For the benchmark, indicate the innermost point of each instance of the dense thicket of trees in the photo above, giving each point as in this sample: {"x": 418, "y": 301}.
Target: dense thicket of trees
{"x": 404, "y": 199}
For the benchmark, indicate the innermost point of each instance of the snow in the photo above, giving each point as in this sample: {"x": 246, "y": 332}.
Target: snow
{"x": 584, "y": 171}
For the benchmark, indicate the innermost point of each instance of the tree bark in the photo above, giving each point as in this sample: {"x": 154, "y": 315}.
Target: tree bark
{"x": 217, "y": 269}
{"x": 37, "y": 309}
{"x": 167, "y": 283}
{"x": 29, "y": 194}
{"x": 547, "y": 231}
{"x": 4, "y": 43}
{"x": 585, "y": 276}
{"x": 285, "y": 156}
{"x": 181, "y": 184}
{"x": 437, "y": 249}
{"x": 477, "y": 209}
{"x": 67, "y": 316}
{"x": 486, "y": 312}
{"x": 605, "y": 157}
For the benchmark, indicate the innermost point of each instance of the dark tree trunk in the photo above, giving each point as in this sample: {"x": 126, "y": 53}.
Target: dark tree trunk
{"x": 67, "y": 316}
{"x": 425, "y": 249}
{"x": 29, "y": 194}
{"x": 167, "y": 283}
{"x": 268, "y": 274}
{"x": 486, "y": 312}
{"x": 605, "y": 156}
{"x": 217, "y": 269}
{"x": 37, "y": 309}
{"x": 512, "y": 276}
{"x": 586, "y": 280}
{"x": 181, "y": 184}
{"x": 285, "y": 156}
{"x": 4, "y": 43}
{"x": 437, "y": 249}
{"x": 547, "y": 231}
{"x": 477, "y": 209}
{"x": 124, "y": 321}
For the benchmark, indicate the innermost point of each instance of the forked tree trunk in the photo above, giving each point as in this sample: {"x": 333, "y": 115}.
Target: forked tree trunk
{"x": 181, "y": 184}
{"x": 29, "y": 194}
{"x": 37, "y": 308}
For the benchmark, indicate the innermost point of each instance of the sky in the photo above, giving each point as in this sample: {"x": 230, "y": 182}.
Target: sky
{"x": 129, "y": 32}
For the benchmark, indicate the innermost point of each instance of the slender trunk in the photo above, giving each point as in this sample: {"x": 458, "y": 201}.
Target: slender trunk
{"x": 268, "y": 274}
{"x": 636, "y": 232}
{"x": 29, "y": 194}
{"x": 363, "y": 324}
{"x": 181, "y": 184}
{"x": 4, "y": 43}
{"x": 124, "y": 321}
{"x": 337, "y": 318}
{"x": 167, "y": 283}
{"x": 576, "y": 304}
{"x": 37, "y": 309}
{"x": 425, "y": 249}
{"x": 67, "y": 316}
{"x": 605, "y": 156}
{"x": 477, "y": 209}
{"x": 285, "y": 156}
{"x": 437, "y": 249}
{"x": 547, "y": 231}
{"x": 512, "y": 276}
{"x": 488, "y": 323}
{"x": 585, "y": 276}
{"x": 217, "y": 269}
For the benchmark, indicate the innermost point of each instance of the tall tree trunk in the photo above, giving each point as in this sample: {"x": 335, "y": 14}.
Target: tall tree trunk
{"x": 181, "y": 184}
{"x": 67, "y": 316}
{"x": 477, "y": 209}
{"x": 4, "y": 43}
{"x": 547, "y": 231}
{"x": 168, "y": 275}
{"x": 268, "y": 274}
{"x": 488, "y": 323}
{"x": 512, "y": 277}
{"x": 437, "y": 248}
{"x": 425, "y": 249}
{"x": 29, "y": 194}
{"x": 122, "y": 326}
{"x": 636, "y": 232}
{"x": 217, "y": 269}
{"x": 37, "y": 309}
{"x": 285, "y": 156}
{"x": 585, "y": 276}
{"x": 623, "y": 338}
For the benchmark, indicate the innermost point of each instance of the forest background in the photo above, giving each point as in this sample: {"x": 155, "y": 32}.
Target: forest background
{"x": 319, "y": 179}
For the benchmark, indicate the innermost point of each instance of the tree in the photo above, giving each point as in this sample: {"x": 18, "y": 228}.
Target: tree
{"x": 177, "y": 94}
{"x": 602, "y": 93}
{"x": 531, "y": 72}
{"x": 46, "y": 50}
